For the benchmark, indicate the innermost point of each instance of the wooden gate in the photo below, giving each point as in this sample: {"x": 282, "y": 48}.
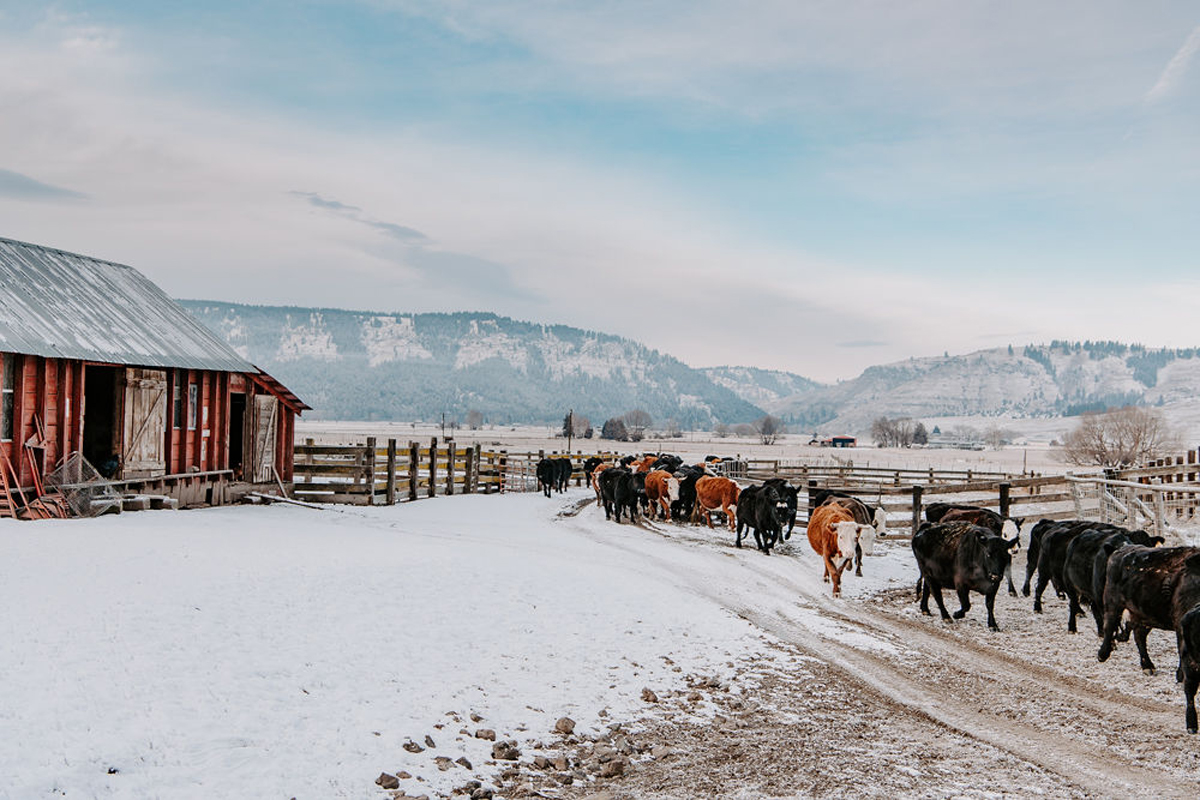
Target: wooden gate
{"x": 264, "y": 434}
{"x": 144, "y": 426}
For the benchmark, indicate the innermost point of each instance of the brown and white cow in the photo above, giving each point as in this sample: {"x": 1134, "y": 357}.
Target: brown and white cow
{"x": 834, "y": 535}
{"x": 717, "y": 494}
{"x": 662, "y": 489}
{"x": 595, "y": 479}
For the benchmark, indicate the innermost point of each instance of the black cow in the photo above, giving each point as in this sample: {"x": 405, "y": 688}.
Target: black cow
{"x": 1055, "y": 541}
{"x": 682, "y": 508}
{"x": 546, "y": 473}
{"x": 1157, "y": 586}
{"x": 562, "y": 474}
{"x": 627, "y": 460}
{"x": 1035, "y": 550}
{"x": 629, "y": 492}
{"x": 1085, "y": 568}
{"x": 791, "y": 496}
{"x": 765, "y": 511}
{"x": 1187, "y": 632}
{"x": 963, "y": 556}
{"x": 668, "y": 463}
{"x": 746, "y": 511}
{"x": 589, "y": 466}
{"x": 608, "y": 488}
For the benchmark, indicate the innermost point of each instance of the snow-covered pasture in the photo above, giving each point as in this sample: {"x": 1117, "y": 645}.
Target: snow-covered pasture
{"x": 281, "y": 651}
{"x": 287, "y": 652}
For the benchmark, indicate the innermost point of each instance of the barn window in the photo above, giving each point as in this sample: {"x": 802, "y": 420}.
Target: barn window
{"x": 193, "y": 404}
{"x": 177, "y": 413}
{"x": 6, "y": 398}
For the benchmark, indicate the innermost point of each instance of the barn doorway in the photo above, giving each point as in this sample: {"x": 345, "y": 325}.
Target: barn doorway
{"x": 100, "y": 424}
{"x": 237, "y": 434}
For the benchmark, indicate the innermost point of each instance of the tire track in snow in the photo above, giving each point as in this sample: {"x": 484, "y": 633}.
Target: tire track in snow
{"x": 993, "y": 681}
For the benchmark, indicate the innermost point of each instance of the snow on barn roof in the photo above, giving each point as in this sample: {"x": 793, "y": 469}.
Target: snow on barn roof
{"x": 57, "y": 304}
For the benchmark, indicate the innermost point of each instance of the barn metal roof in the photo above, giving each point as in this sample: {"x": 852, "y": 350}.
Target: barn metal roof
{"x": 57, "y": 304}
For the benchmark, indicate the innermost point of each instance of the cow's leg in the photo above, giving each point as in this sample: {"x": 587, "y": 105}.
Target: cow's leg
{"x": 738, "y": 541}
{"x": 1012, "y": 589}
{"x": 1073, "y": 609}
{"x": 923, "y": 596}
{"x": 835, "y": 575}
{"x": 731, "y": 512}
{"x": 1098, "y": 615}
{"x": 989, "y": 600}
{"x": 1112, "y": 618}
{"x": 936, "y": 590}
{"x": 857, "y": 559}
{"x": 964, "y": 602}
{"x": 1190, "y": 683}
{"x": 1179, "y": 649}
{"x": 1140, "y": 632}
{"x": 708, "y": 515}
{"x": 666, "y": 510}
{"x": 1042, "y": 580}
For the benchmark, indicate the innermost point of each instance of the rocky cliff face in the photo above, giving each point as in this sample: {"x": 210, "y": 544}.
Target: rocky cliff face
{"x": 358, "y": 365}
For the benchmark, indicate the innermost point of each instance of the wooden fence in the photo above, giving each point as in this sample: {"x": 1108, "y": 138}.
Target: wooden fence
{"x": 393, "y": 472}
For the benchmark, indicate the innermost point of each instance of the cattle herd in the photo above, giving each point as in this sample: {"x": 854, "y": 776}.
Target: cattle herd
{"x": 1125, "y": 578}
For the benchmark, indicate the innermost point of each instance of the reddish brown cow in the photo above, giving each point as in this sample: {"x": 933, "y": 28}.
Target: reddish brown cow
{"x": 713, "y": 494}
{"x": 662, "y": 489}
{"x": 834, "y": 534}
{"x": 644, "y": 465}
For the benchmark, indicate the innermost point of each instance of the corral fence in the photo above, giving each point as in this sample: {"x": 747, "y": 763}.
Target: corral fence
{"x": 1163, "y": 496}
{"x": 385, "y": 472}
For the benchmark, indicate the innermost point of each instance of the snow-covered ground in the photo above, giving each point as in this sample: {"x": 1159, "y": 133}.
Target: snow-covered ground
{"x": 280, "y": 651}
{"x": 287, "y": 652}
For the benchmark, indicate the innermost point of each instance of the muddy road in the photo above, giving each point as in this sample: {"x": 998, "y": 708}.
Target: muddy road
{"x": 864, "y": 696}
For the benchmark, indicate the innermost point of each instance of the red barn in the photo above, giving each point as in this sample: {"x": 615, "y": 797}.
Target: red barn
{"x": 99, "y": 360}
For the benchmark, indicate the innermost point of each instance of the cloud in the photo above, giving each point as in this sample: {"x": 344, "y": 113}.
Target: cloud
{"x": 22, "y": 187}
{"x": 1176, "y": 68}
{"x": 401, "y": 232}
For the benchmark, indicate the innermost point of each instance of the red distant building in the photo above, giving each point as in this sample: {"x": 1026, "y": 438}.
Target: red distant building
{"x": 98, "y": 359}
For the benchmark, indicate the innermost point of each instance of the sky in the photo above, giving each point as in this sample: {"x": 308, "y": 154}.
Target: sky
{"x": 808, "y": 186}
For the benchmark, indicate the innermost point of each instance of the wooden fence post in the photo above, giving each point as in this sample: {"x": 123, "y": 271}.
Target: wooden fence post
{"x": 1005, "y": 488}
{"x": 917, "y": 491}
{"x": 502, "y": 469}
{"x": 478, "y": 459}
{"x": 470, "y": 470}
{"x": 450, "y": 456}
{"x": 812, "y": 497}
{"x": 433, "y": 467}
{"x": 370, "y": 462}
{"x": 414, "y": 469}
{"x": 391, "y": 472}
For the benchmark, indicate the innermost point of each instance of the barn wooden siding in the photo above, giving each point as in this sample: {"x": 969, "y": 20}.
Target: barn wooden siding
{"x": 49, "y": 392}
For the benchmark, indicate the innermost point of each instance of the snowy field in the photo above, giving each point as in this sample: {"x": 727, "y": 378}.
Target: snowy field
{"x": 285, "y": 652}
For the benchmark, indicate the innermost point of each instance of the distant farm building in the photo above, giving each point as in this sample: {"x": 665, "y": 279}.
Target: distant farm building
{"x": 98, "y": 360}
{"x": 835, "y": 441}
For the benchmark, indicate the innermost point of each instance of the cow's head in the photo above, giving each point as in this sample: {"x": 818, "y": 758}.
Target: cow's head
{"x": 880, "y": 523}
{"x": 847, "y": 537}
{"x": 996, "y": 554}
{"x": 866, "y": 539}
{"x": 673, "y": 489}
{"x": 1011, "y": 529}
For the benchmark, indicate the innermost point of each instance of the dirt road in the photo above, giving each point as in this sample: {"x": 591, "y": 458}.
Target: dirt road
{"x": 866, "y": 697}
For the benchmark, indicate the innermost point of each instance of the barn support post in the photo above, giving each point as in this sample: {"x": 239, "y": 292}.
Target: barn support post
{"x": 451, "y": 454}
{"x": 414, "y": 466}
{"x": 917, "y": 492}
{"x": 391, "y": 472}
{"x": 369, "y": 461}
{"x": 1005, "y": 502}
{"x": 433, "y": 451}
